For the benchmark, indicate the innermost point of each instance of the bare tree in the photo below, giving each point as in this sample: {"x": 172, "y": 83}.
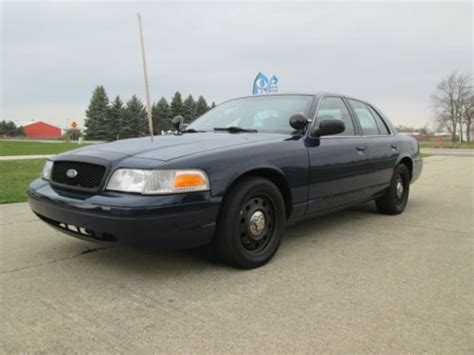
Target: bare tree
{"x": 449, "y": 101}
{"x": 468, "y": 115}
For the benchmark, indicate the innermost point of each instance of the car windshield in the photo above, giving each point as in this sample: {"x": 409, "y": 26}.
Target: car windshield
{"x": 260, "y": 113}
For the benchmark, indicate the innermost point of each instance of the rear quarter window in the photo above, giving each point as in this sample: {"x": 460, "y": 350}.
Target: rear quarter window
{"x": 367, "y": 121}
{"x": 383, "y": 128}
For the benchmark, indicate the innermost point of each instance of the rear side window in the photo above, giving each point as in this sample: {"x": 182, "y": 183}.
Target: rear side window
{"x": 335, "y": 108}
{"x": 367, "y": 121}
{"x": 380, "y": 122}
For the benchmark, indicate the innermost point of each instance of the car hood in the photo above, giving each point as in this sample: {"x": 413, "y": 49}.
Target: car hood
{"x": 168, "y": 147}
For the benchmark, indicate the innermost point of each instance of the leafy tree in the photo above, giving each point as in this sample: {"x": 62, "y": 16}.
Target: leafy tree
{"x": 189, "y": 109}
{"x": 177, "y": 105}
{"x": 161, "y": 114}
{"x": 8, "y": 128}
{"x": 96, "y": 122}
{"x": 72, "y": 134}
{"x": 19, "y": 132}
{"x": 134, "y": 122}
{"x": 115, "y": 117}
{"x": 201, "y": 106}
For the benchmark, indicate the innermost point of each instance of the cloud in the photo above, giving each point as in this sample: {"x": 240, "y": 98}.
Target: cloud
{"x": 53, "y": 54}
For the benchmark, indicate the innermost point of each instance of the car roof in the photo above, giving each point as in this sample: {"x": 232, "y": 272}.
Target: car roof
{"x": 314, "y": 94}
{"x": 275, "y": 94}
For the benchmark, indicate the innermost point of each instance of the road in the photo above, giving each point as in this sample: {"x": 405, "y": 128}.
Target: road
{"x": 355, "y": 281}
{"x": 449, "y": 152}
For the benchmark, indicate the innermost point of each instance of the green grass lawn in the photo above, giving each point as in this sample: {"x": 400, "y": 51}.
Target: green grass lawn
{"x": 463, "y": 145}
{"x": 15, "y": 175}
{"x": 31, "y": 148}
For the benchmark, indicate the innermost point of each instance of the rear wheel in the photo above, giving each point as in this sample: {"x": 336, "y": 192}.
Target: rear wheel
{"x": 395, "y": 198}
{"x": 251, "y": 223}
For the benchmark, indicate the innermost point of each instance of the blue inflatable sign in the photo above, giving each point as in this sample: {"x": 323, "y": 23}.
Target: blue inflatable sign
{"x": 263, "y": 85}
{"x": 272, "y": 84}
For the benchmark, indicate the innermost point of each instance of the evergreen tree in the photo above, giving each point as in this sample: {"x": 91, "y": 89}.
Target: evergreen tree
{"x": 8, "y": 128}
{"x": 177, "y": 105}
{"x": 134, "y": 121}
{"x": 161, "y": 114}
{"x": 189, "y": 109}
{"x": 20, "y": 132}
{"x": 213, "y": 104}
{"x": 201, "y": 106}
{"x": 97, "y": 115}
{"x": 115, "y": 117}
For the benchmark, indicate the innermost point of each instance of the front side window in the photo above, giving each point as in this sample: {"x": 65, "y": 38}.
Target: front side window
{"x": 264, "y": 113}
{"x": 335, "y": 108}
{"x": 367, "y": 121}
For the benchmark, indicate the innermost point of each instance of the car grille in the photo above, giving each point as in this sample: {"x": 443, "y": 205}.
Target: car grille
{"x": 78, "y": 175}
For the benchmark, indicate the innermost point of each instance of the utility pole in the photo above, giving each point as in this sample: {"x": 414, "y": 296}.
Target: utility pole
{"x": 147, "y": 92}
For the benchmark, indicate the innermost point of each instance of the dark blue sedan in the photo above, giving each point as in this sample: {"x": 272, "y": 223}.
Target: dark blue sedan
{"x": 233, "y": 178}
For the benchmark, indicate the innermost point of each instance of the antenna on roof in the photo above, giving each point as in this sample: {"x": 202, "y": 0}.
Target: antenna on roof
{"x": 147, "y": 93}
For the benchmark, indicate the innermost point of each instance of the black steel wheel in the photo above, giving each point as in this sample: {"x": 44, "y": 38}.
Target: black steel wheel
{"x": 250, "y": 224}
{"x": 256, "y": 223}
{"x": 395, "y": 198}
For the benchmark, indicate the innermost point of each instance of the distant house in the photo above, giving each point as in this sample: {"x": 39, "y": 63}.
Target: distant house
{"x": 40, "y": 129}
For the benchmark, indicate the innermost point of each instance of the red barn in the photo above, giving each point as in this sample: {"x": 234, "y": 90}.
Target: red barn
{"x": 39, "y": 129}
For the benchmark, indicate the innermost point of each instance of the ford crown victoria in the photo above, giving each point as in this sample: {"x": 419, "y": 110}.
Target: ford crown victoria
{"x": 233, "y": 178}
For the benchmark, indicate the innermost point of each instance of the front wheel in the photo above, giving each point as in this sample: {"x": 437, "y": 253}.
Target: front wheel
{"x": 251, "y": 223}
{"x": 395, "y": 198}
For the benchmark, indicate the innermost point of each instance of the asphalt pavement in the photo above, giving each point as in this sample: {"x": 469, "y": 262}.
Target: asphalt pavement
{"x": 354, "y": 281}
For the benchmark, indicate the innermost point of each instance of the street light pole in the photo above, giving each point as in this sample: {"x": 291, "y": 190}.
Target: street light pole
{"x": 147, "y": 92}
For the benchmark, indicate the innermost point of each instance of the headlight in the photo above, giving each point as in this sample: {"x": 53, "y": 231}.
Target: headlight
{"x": 151, "y": 182}
{"x": 46, "y": 172}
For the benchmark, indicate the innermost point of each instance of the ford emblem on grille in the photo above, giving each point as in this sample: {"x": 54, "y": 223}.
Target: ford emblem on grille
{"x": 71, "y": 173}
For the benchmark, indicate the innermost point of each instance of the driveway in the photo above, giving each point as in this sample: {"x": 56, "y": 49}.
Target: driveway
{"x": 354, "y": 281}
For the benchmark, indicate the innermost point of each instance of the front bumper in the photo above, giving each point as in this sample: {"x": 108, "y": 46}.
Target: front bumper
{"x": 171, "y": 221}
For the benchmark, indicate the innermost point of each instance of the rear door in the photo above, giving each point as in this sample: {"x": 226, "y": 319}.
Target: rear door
{"x": 338, "y": 163}
{"x": 383, "y": 149}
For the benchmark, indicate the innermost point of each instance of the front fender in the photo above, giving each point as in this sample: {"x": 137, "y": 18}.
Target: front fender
{"x": 285, "y": 158}
{"x": 254, "y": 170}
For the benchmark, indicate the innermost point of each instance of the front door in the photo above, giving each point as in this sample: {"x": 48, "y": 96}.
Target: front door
{"x": 338, "y": 164}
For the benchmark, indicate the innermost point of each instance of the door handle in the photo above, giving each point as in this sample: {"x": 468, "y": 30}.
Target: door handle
{"x": 394, "y": 146}
{"x": 361, "y": 148}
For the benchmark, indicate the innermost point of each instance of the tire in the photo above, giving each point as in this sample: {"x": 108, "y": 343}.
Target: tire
{"x": 395, "y": 198}
{"x": 251, "y": 224}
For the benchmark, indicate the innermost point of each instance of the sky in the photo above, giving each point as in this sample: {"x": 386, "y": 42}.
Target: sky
{"x": 53, "y": 54}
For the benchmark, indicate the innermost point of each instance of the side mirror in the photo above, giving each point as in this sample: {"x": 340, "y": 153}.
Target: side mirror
{"x": 327, "y": 127}
{"x": 299, "y": 121}
{"x": 177, "y": 122}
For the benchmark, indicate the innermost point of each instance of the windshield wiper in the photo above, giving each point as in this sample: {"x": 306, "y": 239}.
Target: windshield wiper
{"x": 192, "y": 130}
{"x": 234, "y": 129}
